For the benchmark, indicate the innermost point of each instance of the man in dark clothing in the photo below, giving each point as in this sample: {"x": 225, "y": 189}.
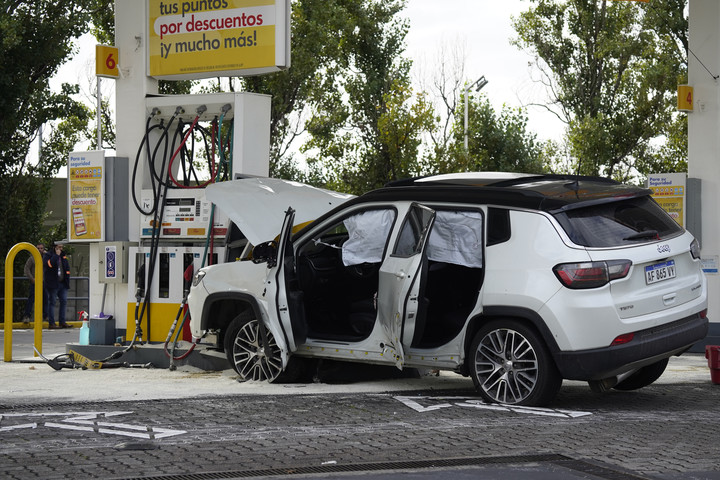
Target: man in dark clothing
{"x": 57, "y": 283}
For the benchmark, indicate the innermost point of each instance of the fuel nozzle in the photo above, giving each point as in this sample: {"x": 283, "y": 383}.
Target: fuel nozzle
{"x": 140, "y": 276}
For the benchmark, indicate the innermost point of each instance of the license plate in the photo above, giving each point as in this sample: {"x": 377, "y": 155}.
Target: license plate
{"x": 659, "y": 272}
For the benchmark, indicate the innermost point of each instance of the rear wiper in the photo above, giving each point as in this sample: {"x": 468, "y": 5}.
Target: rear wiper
{"x": 649, "y": 234}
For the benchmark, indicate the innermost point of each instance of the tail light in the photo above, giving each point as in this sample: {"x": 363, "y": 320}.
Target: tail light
{"x": 591, "y": 274}
{"x": 622, "y": 339}
{"x": 695, "y": 249}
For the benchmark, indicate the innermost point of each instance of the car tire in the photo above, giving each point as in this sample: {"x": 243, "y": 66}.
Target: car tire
{"x": 244, "y": 351}
{"x": 643, "y": 377}
{"x": 510, "y": 364}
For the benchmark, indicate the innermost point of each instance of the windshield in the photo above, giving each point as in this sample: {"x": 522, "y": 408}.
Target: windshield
{"x": 627, "y": 222}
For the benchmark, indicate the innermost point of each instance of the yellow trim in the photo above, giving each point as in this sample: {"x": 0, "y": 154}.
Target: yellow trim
{"x": 162, "y": 316}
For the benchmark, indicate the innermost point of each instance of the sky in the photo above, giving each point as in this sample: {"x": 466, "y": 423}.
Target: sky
{"x": 482, "y": 28}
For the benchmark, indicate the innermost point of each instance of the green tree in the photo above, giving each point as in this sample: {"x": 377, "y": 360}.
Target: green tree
{"x": 351, "y": 144}
{"x": 35, "y": 39}
{"x": 611, "y": 68}
{"x": 496, "y": 142}
{"x": 316, "y": 63}
{"x": 359, "y": 164}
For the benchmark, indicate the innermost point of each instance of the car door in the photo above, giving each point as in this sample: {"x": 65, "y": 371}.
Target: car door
{"x": 286, "y": 309}
{"x": 400, "y": 280}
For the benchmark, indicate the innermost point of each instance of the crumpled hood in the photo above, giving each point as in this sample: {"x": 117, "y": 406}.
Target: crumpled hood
{"x": 257, "y": 205}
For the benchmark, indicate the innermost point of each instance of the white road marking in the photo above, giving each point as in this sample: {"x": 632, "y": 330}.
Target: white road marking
{"x": 429, "y": 404}
{"x": 18, "y": 427}
{"x": 90, "y": 422}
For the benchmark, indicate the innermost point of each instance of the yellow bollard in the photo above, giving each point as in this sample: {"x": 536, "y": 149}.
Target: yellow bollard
{"x": 9, "y": 259}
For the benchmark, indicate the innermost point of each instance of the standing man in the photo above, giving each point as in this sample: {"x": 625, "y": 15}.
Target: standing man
{"x": 30, "y": 273}
{"x": 57, "y": 283}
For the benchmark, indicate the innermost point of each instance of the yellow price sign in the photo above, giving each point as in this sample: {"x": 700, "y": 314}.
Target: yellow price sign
{"x": 106, "y": 61}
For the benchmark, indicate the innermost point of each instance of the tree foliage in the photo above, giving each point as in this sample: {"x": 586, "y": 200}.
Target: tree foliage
{"x": 496, "y": 142}
{"x": 365, "y": 131}
{"x": 611, "y": 69}
{"x": 347, "y": 78}
{"x": 35, "y": 39}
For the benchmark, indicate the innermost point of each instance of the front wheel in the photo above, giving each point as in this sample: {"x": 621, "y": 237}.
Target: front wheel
{"x": 510, "y": 364}
{"x": 251, "y": 358}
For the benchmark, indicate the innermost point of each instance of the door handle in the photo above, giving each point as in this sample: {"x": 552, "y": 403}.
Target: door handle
{"x": 400, "y": 275}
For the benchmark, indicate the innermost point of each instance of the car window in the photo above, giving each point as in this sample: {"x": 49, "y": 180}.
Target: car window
{"x": 457, "y": 237}
{"x": 613, "y": 224}
{"x": 367, "y": 236}
{"x": 413, "y": 231}
{"x": 498, "y": 229}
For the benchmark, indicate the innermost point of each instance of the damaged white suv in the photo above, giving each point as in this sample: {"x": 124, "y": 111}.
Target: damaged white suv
{"x": 519, "y": 281}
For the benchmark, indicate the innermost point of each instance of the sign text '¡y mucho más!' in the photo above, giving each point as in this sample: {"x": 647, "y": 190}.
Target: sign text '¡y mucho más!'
{"x": 205, "y": 44}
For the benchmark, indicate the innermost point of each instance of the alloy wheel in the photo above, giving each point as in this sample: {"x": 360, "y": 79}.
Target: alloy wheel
{"x": 506, "y": 366}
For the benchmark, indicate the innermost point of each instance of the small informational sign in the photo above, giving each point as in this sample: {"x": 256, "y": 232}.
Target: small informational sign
{"x": 215, "y": 38}
{"x": 710, "y": 265}
{"x": 86, "y": 190}
{"x": 106, "y": 61}
{"x": 669, "y": 191}
{"x": 685, "y": 98}
{"x": 110, "y": 262}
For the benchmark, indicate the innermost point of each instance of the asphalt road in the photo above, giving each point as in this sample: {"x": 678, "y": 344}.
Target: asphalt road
{"x": 430, "y": 427}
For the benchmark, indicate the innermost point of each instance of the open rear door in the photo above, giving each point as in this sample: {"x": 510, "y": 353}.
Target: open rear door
{"x": 399, "y": 276}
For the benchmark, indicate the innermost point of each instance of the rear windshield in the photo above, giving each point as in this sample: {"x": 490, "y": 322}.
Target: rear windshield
{"x": 627, "y": 222}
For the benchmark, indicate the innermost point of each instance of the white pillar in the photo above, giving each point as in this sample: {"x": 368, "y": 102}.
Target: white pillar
{"x": 704, "y": 135}
{"x": 130, "y": 90}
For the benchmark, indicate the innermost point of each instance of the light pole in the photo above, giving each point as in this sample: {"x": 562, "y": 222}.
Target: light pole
{"x": 478, "y": 84}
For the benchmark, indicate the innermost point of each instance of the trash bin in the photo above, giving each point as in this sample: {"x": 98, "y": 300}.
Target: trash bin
{"x": 102, "y": 330}
{"x": 712, "y": 353}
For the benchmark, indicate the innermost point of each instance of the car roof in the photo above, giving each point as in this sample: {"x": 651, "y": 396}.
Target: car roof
{"x": 546, "y": 192}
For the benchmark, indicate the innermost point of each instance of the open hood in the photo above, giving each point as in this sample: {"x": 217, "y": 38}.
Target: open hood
{"x": 257, "y": 205}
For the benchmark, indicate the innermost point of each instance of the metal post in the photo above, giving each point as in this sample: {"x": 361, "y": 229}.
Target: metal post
{"x": 466, "y": 119}
{"x": 480, "y": 82}
{"x": 99, "y": 116}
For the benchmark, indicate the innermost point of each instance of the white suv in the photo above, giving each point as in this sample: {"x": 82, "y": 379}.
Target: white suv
{"x": 519, "y": 281}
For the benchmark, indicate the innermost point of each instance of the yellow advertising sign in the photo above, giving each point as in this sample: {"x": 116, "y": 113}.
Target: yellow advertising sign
{"x": 668, "y": 190}
{"x": 673, "y": 206}
{"x": 210, "y": 38}
{"x": 85, "y": 196}
{"x": 106, "y": 61}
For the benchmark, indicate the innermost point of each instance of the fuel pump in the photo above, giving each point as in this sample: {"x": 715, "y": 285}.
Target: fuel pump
{"x": 189, "y": 143}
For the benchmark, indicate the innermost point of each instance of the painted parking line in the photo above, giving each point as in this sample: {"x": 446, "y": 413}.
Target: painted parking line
{"x": 429, "y": 404}
{"x": 88, "y": 422}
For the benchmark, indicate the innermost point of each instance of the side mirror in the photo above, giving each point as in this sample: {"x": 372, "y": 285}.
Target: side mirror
{"x": 265, "y": 252}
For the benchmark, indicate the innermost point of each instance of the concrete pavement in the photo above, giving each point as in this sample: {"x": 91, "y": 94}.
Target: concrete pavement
{"x": 190, "y": 424}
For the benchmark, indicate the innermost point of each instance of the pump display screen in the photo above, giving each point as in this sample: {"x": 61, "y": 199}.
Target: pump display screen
{"x": 186, "y": 215}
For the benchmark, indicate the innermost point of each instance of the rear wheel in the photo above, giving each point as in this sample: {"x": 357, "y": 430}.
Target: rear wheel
{"x": 644, "y": 376}
{"x": 246, "y": 353}
{"x": 510, "y": 364}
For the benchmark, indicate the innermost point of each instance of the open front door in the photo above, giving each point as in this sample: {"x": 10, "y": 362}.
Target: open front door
{"x": 400, "y": 279}
{"x": 289, "y": 309}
